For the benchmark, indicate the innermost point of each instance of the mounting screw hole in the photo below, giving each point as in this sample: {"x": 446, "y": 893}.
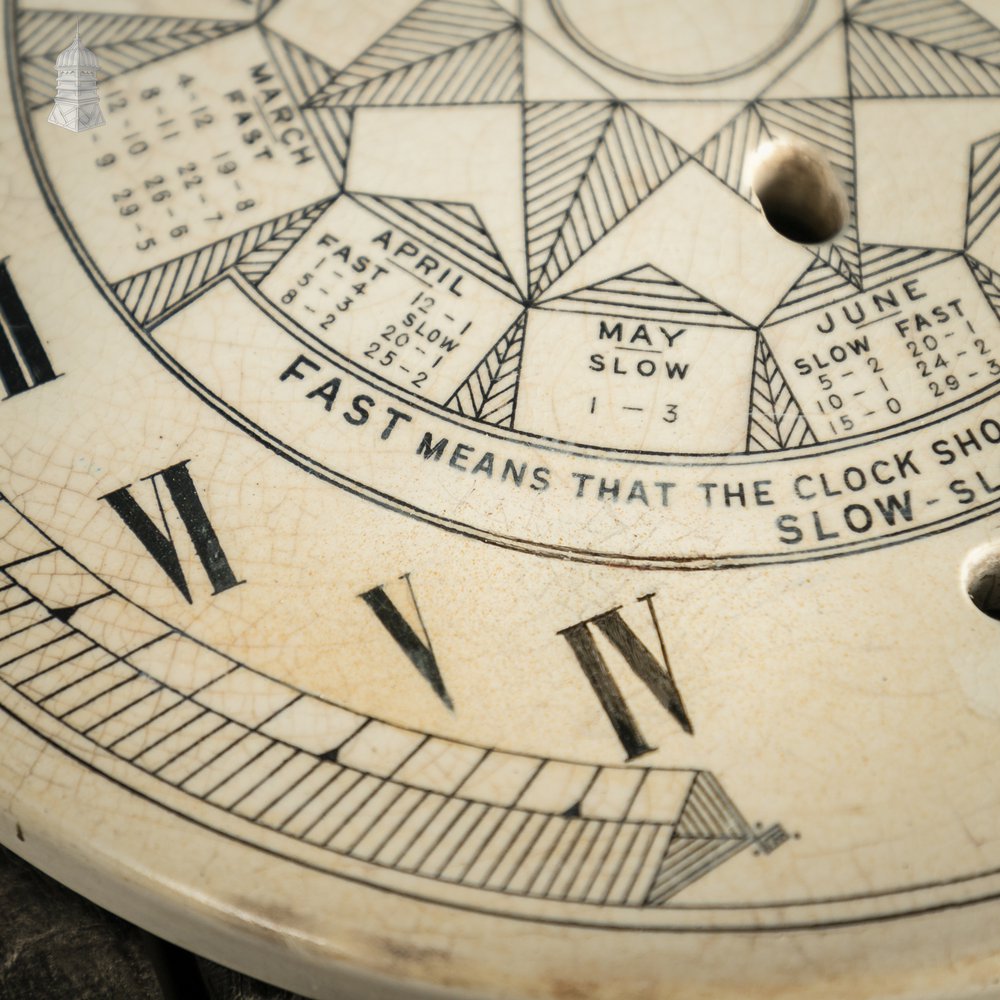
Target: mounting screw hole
{"x": 799, "y": 193}
{"x": 982, "y": 580}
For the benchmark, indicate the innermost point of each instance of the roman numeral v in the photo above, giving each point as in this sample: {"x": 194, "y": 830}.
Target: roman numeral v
{"x": 419, "y": 651}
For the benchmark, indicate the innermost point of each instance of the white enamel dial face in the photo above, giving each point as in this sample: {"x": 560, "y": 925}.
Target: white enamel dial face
{"x": 450, "y": 541}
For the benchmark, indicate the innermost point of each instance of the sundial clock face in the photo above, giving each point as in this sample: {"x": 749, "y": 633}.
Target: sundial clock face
{"x": 451, "y": 541}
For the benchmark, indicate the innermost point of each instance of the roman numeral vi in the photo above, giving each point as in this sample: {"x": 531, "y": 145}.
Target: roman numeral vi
{"x": 158, "y": 541}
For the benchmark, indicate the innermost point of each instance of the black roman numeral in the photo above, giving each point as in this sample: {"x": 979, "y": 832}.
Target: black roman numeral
{"x": 160, "y": 544}
{"x": 23, "y": 361}
{"x": 419, "y": 651}
{"x": 657, "y": 677}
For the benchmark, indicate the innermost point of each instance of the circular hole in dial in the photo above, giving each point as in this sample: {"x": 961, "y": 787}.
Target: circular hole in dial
{"x": 982, "y": 580}
{"x": 799, "y": 193}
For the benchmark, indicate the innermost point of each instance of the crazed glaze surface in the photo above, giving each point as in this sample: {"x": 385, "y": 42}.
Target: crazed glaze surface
{"x": 452, "y": 545}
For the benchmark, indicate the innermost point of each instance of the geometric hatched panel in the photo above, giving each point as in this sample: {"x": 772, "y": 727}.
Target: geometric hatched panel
{"x": 776, "y": 419}
{"x": 882, "y": 264}
{"x": 434, "y": 27}
{"x": 727, "y": 152}
{"x": 821, "y": 285}
{"x": 687, "y": 860}
{"x": 709, "y": 812}
{"x": 150, "y": 294}
{"x": 120, "y": 42}
{"x": 709, "y": 830}
{"x": 560, "y": 138}
{"x": 490, "y": 392}
{"x": 984, "y": 187}
{"x": 332, "y": 130}
{"x": 304, "y": 74}
{"x": 884, "y": 64}
{"x": 258, "y": 263}
{"x": 452, "y": 229}
{"x": 989, "y": 282}
{"x": 631, "y": 161}
{"x": 947, "y": 24}
{"x": 484, "y": 71}
{"x": 827, "y": 124}
{"x": 647, "y": 294}
{"x": 818, "y": 283}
